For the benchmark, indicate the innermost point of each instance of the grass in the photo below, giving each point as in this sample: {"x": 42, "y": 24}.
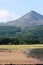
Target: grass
{"x": 20, "y": 46}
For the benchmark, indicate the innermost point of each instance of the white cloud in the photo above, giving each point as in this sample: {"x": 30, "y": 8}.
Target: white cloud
{"x": 6, "y": 16}
{"x": 4, "y": 13}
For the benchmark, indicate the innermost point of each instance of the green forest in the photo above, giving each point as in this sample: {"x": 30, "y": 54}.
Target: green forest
{"x": 15, "y": 35}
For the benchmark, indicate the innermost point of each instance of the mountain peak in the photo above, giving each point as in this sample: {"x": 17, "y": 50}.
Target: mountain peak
{"x": 30, "y": 19}
{"x": 33, "y": 13}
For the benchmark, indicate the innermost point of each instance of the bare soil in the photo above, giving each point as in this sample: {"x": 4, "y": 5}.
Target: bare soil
{"x": 16, "y": 57}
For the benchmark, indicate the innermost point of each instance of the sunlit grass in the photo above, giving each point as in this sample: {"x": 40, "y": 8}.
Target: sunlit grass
{"x": 20, "y": 46}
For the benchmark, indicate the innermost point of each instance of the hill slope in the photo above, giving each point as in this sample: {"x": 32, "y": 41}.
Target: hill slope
{"x": 16, "y": 31}
{"x": 29, "y": 20}
{"x": 15, "y": 35}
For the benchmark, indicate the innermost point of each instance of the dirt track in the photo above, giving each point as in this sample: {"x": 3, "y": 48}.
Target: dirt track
{"x": 16, "y": 57}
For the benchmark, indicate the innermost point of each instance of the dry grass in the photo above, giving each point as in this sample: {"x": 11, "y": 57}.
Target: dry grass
{"x": 20, "y": 46}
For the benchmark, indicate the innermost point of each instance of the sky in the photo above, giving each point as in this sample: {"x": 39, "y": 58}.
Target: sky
{"x": 13, "y": 9}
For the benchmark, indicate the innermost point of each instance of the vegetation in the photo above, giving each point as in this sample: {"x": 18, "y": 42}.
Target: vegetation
{"x": 17, "y": 41}
{"x": 20, "y": 46}
{"x": 17, "y": 36}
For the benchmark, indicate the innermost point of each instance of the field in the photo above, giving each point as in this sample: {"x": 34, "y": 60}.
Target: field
{"x": 20, "y": 46}
{"x": 14, "y": 54}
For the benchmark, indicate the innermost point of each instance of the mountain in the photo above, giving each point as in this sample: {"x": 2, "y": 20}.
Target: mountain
{"x": 29, "y": 20}
{"x": 32, "y": 22}
{"x": 31, "y": 32}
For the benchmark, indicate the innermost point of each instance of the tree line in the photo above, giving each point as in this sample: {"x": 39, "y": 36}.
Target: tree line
{"x": 20, "y": 41}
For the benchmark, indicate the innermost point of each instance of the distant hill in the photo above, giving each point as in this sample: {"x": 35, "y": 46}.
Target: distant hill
{"x": 17, "y": 31}
{"x": 37, "y": 31}
{"x": 26, "y": 30}
{"x": 29, "y": 20}
{"x": 9, "y": 31}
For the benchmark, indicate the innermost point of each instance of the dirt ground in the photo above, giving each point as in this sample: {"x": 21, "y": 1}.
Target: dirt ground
{"x": 16, "y": 57}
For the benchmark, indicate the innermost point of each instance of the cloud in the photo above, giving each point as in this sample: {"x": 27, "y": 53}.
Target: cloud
{"x": 6, "y": 16}
{"x": 4, "y": 13}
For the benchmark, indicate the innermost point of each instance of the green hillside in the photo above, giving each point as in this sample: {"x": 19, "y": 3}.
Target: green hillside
{"x": 16, "y": 35}
{"x": 8, "y": 31}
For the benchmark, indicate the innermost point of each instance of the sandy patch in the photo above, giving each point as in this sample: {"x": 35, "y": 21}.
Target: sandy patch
{"x": 16, "y": 57}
